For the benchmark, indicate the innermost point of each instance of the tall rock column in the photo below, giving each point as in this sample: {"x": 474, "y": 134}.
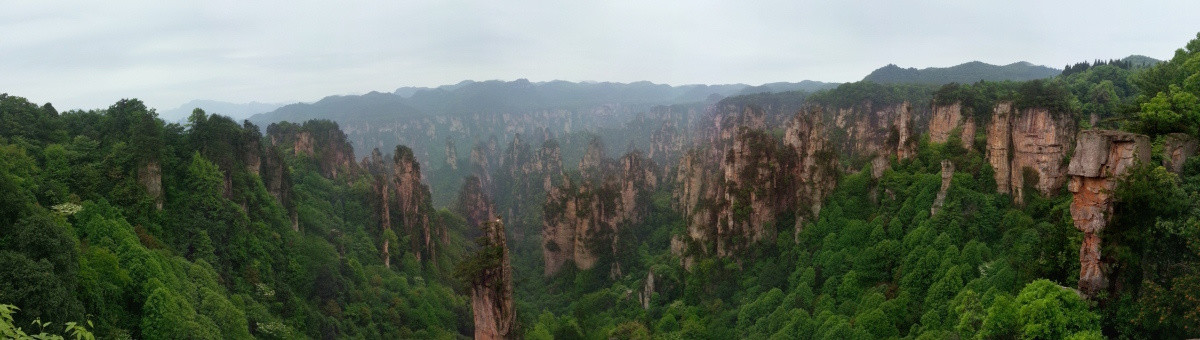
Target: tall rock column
{"x": 1101, "y": 158}
{"x": 1176, "y": 150}
{"x": 492, "y": 287}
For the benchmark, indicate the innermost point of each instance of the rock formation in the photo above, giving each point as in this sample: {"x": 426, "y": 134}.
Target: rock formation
{"x": 733, "y": 194}
{"x": 1176, "y": 149}
{"x": 1040, "y": 142}
{"x": 150, "y": 176}
{"x": 876, "y": 133}
{"x": 492, "y": 286}
{"x": 945, "y": 119}
{"x": 999, "y": 145}
{"x": 947, "y": 176}
{"x": 583, "y": 221}
{"x": 414, "y": 205}
{"x": 451, "y": 155}
{"x": 1101, "y": 158}
{"x": 474, "y": 204}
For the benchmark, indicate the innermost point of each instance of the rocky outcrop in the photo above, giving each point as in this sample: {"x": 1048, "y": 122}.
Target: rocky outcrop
{"x": 474, "y": 204}
{"x": 947, "y": 175}
{"x": 320, "y": 140}
{"x": 1040, "y": 142}
{"x": 492, "y": 286}
{"x": 583, "y": 221}
{"x": 1177, "y": 148}
{"x": 999, "y": 145}
{"x": 1101, "y": 158}
{"x": 150, "y": 176}
{"x": 733, "y": 199}
{"x": 945, "y": 120}
{"x": 413, "y": 204}
{"x": 876, "y": 132}
{"x": 451, "y": 155}
{"x": 1030, "y": 144}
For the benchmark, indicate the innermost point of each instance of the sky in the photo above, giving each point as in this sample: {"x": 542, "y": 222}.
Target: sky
{"x": 89, "y": 54}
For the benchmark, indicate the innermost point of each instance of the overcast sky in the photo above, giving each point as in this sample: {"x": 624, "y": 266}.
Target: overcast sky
{"x": 90, "y": 54}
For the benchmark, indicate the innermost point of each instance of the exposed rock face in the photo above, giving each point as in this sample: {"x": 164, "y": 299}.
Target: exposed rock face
{"x": 583, "y": 221}
{"x": 320, "y": 140}
{"x": 815, "y": 173}
{"x": 1030, "y": 142}
{"x": 945, "y": 119}
{"x": 1176, "y": 149}
{"x": 413, "y": 204}
{"x": 647, "y": 289}
{"x": 474, "y": 204}
{"x": 947, "y": 176}
{"x": 1101, "y": 158}
{"x": 876, "y": 132}
{"x": 999, "y": 145}
{"x": 150, "y": 176}
{"x": 492, "y": 289}
{"x": 733, "y": 198}
{"x": 1040, "y": 140}
{"x": 593, "y": 162}
{"x": 451, "y": 155}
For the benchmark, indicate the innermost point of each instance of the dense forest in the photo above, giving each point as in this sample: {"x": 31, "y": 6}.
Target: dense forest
{"x": 1065, "y": 207}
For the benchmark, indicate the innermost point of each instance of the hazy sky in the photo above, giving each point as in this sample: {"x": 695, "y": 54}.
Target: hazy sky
{"x": 90, "y": 54}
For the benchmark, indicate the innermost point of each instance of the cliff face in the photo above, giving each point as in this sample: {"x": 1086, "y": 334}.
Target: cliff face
{"x": 1176, "y": 149}
{"x": 492, "y": 288}
{"x": 734, "y": 198}
{"x": 945, "y": 119}
{"x": 322, "y": 141}
{"x": 1040, "y": 142}
{"x": 875, "y": 133}
{"x": 583, "y": 221}
{"x": 999, "y": 145}
{"x": 1021, "y": 144}
{"x": 1101, "y": 158}
{"x": 474, "y": 204}
{"x": 947, "y": 176}
{"x": 413, "y": 205}
{"x": 150, "y": 176}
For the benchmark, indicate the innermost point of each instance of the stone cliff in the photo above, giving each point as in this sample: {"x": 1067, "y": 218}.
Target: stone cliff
{"x": 1177, "y": 147}
{"x": 583, "y": 220}
{"x": 1101, "y": 158}
{"x": 872, "y": 133}
{"x": 946, "y": 120}
{"x": 733, "y": 193}
{"x": 492, "y": 287}
{"x": 1027, "y": 144}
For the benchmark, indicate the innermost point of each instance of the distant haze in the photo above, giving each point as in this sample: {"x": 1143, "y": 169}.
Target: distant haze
{"x": 90, "y": 54}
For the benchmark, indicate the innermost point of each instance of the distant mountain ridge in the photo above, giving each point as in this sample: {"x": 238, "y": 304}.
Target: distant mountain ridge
{"x": 496, "y": 96}
{"x": 233, "y": 110}
{"x": 966, "y": 73}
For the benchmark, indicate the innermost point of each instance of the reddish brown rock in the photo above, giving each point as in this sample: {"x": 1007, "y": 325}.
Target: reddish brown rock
{"x": 1101, "y": 158}
{"x": 492, "y": 288}
{"x": 582, "y": 221}
{"x": 1040, "y": 142}
{"x": 1177, "y": 148}
{"x": 999, "y": 145}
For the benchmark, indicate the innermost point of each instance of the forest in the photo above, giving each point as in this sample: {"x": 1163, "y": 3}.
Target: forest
{"x": 848, "y": 212}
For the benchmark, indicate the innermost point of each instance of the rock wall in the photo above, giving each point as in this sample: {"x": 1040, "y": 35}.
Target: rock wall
{"x": 583, "y": 221}
{"x": 732, "y": 193}
{"x": 1101, "y": 158}
{"x": 945, "y": 119}
{"x": 492, "y": 289}
{"x": 874, "y": 133}
{"x": 1041, "y": 141}
{"x": 947, "y": 176}
{"x": 413, "y": 204}
{"x": 1177, "y": 148}
{"x": 150, "y": 176}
